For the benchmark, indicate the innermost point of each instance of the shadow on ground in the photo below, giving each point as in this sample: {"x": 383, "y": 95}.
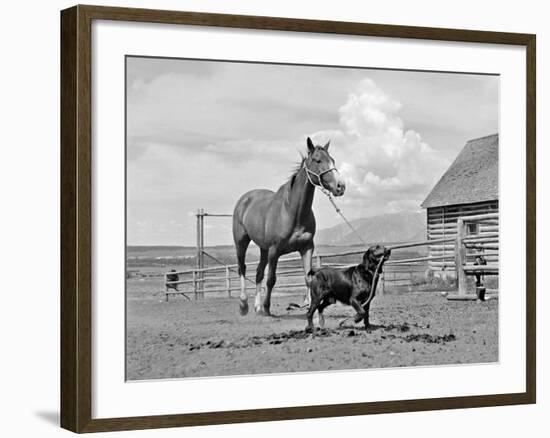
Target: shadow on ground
{"x": 51, "y": 417}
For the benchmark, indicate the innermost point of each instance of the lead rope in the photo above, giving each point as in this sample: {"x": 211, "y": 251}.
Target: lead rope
{"x": 352, "y": 228}
{"x": 331, "y": 199}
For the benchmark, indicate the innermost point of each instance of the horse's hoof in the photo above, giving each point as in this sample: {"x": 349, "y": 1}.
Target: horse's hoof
{"x": 258, "y": 310}
{"x": 266, "y": 311}
{"x": 243, "y": 308}
{"x": 309, "y": 329}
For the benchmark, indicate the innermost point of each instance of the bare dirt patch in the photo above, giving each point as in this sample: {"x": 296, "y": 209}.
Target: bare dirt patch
{"x": 209, "y": 338}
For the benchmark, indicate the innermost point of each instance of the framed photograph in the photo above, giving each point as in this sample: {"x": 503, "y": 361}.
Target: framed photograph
{"x": 270, "y": 218}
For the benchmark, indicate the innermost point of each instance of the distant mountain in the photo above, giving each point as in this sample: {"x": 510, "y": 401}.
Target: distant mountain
{"x": 394, "y": 227}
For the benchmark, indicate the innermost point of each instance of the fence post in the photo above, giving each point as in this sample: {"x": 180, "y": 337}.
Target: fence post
{"x": 202, "y": 255}
{"x": 196, "y": 275}
{"x": 227, "y": 282}
{"x": 166, "y": 286}
{"x": 460, "y": 257}
{"x": 195, "y": 284}
{"x": 383, "y": 281}
{"x": 318, "y": 261}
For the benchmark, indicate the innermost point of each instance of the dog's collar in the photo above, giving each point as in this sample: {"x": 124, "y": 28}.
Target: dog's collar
{"x": 368, "y": 270}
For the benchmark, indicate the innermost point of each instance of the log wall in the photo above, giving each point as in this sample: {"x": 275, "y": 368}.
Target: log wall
{"x": 442, "y": 223}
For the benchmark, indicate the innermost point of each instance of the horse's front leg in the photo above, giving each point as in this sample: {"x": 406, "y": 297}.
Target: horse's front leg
{"x": 259, "y": 278}
{"x": 307, "y": 254}
{"x": 272, "y": 259}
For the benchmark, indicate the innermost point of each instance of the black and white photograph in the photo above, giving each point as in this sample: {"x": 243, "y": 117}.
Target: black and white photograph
{"x": 295, "y": 218}
{"x": 274, "y": 219}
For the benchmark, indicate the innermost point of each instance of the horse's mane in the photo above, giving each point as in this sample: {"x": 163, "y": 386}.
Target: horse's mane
{"x": 296, "y": 169}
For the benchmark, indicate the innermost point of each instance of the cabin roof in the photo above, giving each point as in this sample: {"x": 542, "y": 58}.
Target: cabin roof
{"x": 472, "y": 177}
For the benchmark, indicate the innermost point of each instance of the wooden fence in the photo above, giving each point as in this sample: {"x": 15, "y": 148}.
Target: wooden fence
{"x": 224, "y": 278}
{"x": 466, "y": 246}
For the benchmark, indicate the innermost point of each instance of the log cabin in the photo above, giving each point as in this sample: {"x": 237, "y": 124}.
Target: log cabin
{"x": 468, "y": 187}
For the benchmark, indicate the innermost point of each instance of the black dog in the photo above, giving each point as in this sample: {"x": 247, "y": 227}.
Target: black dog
{"x": 350, "y": 286}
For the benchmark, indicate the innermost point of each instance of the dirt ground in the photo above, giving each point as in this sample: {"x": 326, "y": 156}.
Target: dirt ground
{"x": 208, "y": 337}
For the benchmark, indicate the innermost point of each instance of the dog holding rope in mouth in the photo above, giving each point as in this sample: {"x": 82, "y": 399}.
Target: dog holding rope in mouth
{"x": 355, "y": 286}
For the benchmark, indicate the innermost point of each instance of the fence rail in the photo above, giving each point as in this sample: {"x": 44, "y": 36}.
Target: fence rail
{"x": 224, "y": 277}
{"x": 464, "y": 242}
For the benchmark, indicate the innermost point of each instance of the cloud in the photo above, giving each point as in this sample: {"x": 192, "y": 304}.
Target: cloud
{"x": 200, "y": 134}
{"x": 387, "y": 168}
{"x": 238, "y": 101}
{"x": 167, "y": 183}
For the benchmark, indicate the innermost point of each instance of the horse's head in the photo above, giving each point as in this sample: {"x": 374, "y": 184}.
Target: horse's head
{"x": 321, "y": 171}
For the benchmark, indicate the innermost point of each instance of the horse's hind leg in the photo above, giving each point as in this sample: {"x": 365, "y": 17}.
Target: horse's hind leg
{"x": 241, "y": 243}
{"x": 260, "y": 270}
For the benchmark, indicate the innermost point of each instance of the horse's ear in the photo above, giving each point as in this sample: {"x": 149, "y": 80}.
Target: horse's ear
{"x": 325, "y": 147}
{"x": 310, "y": 146}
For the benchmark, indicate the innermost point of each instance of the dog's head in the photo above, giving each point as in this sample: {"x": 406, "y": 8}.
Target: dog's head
{"x": 374, "y": 255}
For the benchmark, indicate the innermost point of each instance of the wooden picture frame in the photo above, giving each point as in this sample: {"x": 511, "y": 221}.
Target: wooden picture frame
{"x": 76, "y": 218}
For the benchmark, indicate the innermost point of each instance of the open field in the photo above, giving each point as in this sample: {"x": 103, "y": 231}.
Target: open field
{"x": 183, "y": 257}
{"x": 182, "y": 338}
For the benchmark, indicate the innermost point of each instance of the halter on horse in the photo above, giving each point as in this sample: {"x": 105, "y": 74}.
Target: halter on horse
{"x": 282, "y": 222}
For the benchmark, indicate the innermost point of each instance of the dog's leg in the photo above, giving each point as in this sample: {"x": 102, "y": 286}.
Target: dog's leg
{"x": 321, "y": 319}
{"x": 360, "y": 311}
{"x": 366, "y": 317}
{"x": 326, "y": 302}
{"x": 312, "y": 308}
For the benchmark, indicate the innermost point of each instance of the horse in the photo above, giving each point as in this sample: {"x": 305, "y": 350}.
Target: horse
{"x": 282, "y": 222}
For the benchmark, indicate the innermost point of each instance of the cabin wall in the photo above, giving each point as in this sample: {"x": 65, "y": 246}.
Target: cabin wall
{"x": 442, "y": 224}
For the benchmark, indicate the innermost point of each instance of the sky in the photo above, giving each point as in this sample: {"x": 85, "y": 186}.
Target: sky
{"x": 201, "y": 133}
